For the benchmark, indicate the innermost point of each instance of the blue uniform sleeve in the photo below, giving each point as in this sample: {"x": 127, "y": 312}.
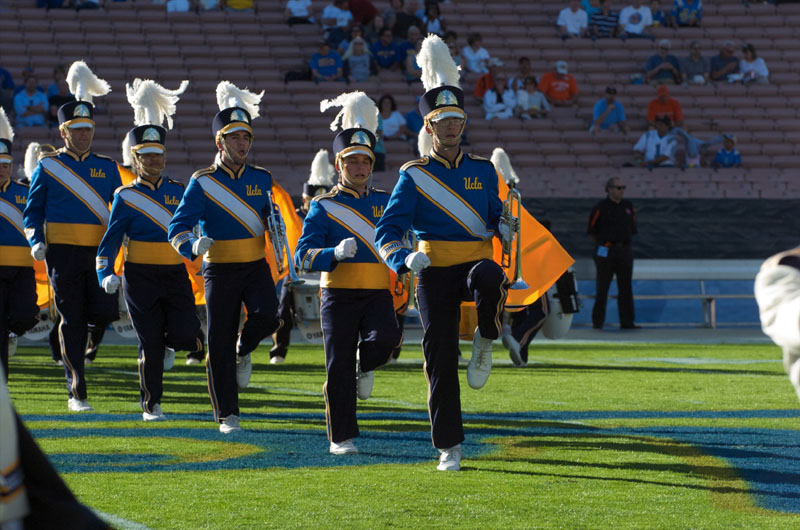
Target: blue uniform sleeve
{"x": 190, "y": 210}
{"x": 311, "y": 253}
{"x": 495, "y": 202}
{"x": 34, "y": 213}
{"x": 395, "y": 222}
{"x": 107, "y": 251}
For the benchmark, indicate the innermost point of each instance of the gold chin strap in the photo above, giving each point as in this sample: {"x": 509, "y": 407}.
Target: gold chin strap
{"x": 138, "y": 166}
{"x": 429, "y": 124}
{"x": 343, "y": 171}
{"x": 68, "y": 133}
{"x": 227, "y": 151}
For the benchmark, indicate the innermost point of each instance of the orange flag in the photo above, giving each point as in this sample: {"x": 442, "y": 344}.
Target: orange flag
{"x": 294, "y": 228}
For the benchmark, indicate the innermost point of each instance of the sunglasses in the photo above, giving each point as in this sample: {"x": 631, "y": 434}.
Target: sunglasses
{"x": 617, "y": 187}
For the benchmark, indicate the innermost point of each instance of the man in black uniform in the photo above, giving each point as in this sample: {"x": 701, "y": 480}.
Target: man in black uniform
{"x": 612, "y": 224}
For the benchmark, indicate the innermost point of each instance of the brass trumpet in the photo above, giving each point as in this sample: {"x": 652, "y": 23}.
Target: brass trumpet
{"x": 407, "y": 283}
{"x": 280, "y": 245}
{"x": 512, "y": 214}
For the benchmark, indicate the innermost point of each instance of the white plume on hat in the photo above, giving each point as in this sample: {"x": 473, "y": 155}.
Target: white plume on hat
{"x": 6, "y": 130}
{"x": 152, "y": 103}
{"x": 84, "y": 84}
{"x": 127, "y": 160}
{"x": 358, "y": 110}
{"x": 424, "y": 142}
{"x": 31, "y": 158}
{"x": 438, "y": 67}
{"x": 229, "y": 95}
{"x": 503, "y": 165}
{"x": 322, "y": 171}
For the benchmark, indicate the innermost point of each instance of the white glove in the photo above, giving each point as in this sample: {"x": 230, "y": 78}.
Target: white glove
{"x": 38, "y": 251}
{"x": 416, "y": 261}
{"x": 506, "y": 233}
{"x": 201, "y": 245}
{"x": 345, "y": 249}
{"x": 110, "y": 284}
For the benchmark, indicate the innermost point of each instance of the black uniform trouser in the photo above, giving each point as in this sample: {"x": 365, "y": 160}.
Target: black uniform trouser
{"x": 18, "y": 309}
{"x": 161, "y": 306}
{"x": 286, "y": 313}
{"x": 228, "y": 286}
{"x": 620, "y": 262}
{"x": 526, "y": 324}
{"x": 80, "y": 300}
{"x": 349, "y": 315}
{"x": 440, "y": 291}
{"x": 96, "y": 334}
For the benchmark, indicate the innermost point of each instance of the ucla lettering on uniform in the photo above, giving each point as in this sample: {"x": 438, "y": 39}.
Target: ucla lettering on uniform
{"x": 472, "y": 183}
{"x": 253, "y": 190}
{"x": 171, "y": 200}
{"x": 97, "y": 173}
{"x": 19, "y": 199}
{"x": 377, "y": 211}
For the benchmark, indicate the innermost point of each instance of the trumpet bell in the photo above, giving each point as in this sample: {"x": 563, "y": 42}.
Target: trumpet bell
{"x": 519, "y": 285}
{"x": 411, "y": 312}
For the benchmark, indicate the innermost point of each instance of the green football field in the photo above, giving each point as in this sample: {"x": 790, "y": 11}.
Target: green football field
{"x": 588, "y": 436}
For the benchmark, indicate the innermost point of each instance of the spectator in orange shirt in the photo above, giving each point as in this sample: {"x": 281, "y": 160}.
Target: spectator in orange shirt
{"x": 486, "y": 81}
{"x": 664, "y": 106}
{"x": 559, "y": 87}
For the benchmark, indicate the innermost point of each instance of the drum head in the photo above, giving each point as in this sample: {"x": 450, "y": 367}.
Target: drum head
{"x": 311, "y": 331}
{"x": 124, "y": 327}
{"x": 42, "y": 329}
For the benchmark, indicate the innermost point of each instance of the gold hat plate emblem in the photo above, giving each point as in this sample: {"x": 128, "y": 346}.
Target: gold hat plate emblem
{"x": 81, "y": 111}
{"x": 151, "y": 135}
{"x": 361, "y": 138}
{"x": 238, "y": 115}
{"x": 446, "y": 98}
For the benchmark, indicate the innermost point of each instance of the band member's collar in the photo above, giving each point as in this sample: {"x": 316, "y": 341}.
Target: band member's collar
{"x": 72, "y": 154}
{"x": 446, "y": 163}
{"x": 5, "y": 185}
{"x": 149, "y": 185}
{"x": 350, "y": 191}
{"x": 235, "y": 175}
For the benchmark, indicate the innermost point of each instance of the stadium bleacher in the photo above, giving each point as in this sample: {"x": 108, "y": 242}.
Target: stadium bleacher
{"x": 556, "y": 156}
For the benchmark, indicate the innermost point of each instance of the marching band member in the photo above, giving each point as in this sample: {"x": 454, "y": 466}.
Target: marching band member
{"x": 156, "y": 288}
{"x": 321, "y": 180}
{"x": 18, "y": 309}
{"x": 70, "y": 191}
{"x": 450, "y": 201}
{"x": 357, "y": 309}
{"x": 230, "y": 200}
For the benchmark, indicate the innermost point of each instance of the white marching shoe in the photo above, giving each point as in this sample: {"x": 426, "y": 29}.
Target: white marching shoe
{"x": 480, "y": 365}
{"x": 78, "y": 405}
{"x": 364, "y": 382}
{"x": 346, "y": 447}
{"x": 169, "y": 359}
{"x": 277, "y": 360}
{"x": 244, "y": 367}
{"x": 513, "y": 346}
{"x": 450, "y": 459}
{"x": 229, "y": 424}
{"x": 154, "y": 415}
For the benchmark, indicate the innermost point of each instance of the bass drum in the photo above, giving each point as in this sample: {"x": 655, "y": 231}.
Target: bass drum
{"x": 306, "y": 310}
{"x": 557, "y": 323}
{"x": 42, "y": 329}
{"x": 124, "y": 327}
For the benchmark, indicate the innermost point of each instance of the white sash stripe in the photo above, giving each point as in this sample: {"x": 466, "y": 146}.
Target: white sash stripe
{"x": 450, "y": 202}
{"x": 240, "y": 210}
{"x": 352, "y": 220}
{"x": 157, "y": 213}
{"x": 78, "y": 187}
{"x": 8, "y": 211}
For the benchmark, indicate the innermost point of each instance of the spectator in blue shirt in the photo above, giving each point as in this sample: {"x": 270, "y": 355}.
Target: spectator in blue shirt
{"x": 414, "y": 120}
{"x": 609, "y": 114}
{"x": 663, "y": 68}
{"x": 59, "y": 74}
{"x": 6, "y": 90}
{"x": 728, "y": 155}
{"x": 326, "y": 65}
{"x": 687, "y": 12}
{"x": 31, "y": 105}
{"x": 386, "y": 52}
{"x": 659, "y": 17}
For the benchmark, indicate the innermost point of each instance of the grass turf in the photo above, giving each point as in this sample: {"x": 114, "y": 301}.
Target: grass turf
{"x": 589, "y": 436}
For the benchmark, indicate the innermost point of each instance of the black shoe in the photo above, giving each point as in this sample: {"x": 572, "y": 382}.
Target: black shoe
{"x": 631, "y": 326}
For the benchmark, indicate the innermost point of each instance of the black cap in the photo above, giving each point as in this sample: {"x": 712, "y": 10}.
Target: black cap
{"x": 355, "y": 141}
{"x": 76, "y": 114}
{"x": 230, "y": 120}
{"x": 5, "y": 151}
{"x": 147, "y": 139}
{"x": 442, "y": 102}
{"x": 312, "y": 190}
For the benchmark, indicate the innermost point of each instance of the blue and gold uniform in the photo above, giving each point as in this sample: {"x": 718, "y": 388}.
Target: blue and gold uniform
{"x": 156, "y": 287}
{"x": 68, "y": 211}
{"x": 357, "y": 310}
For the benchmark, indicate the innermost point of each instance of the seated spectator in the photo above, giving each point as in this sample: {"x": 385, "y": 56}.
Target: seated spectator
{"x": 326, "y": 64}
{"x": 404, "y": 19}
{"x": 299, "y": 12}
{"x": 337, "y": 21}
{"x": 660, "y": 19}
{"x": 687, "y": 12}
{"x": 559, "y": 87}
{"x": 530, "y": 102}
{"x": 572, "y": 21}
{"x": 475, "y": 57}
{"x": 390, "y": 13}
{"x": 385, "y": 51}
{"x": 30, "y": 104}
{"x": 591, "y": 7}
{"x": 695, "y": 67}
{"x": 359, "y": 65}
{"x": 61, "y": 97}
{"x": 208, "y": 5}
{"x": 635, "y": 21}
{"x": 657, "y": 146}
{"x": 486, "y": 81}
{"x": 6, "y": 91}
{"x": 433, "y": 22}
{"x": 412, "y": 67}
{"x": 87, "y": 4}
{"x": 663, "y": 106}
{"x": 524, "y": 71}
{"x": 364, "y": 12}
{"x": 380, "y": 147}
{"x": 178, "y": 6}
{"x": 603, "y": 23}
{"x": 50, "y": 4}
{"x": 394, "y": 123}
{"x": 59, "y": 74}
{"x": 499, "y": 102}
{"x": 239, "y": 6}
{"x": 752, "y": 67}
{"x": 355, "y": 32}
{"x": 409, "y": 45}
{"x": 451, "y": 39}
{"x": 414, "y": 120}
{"x": 663, "y": 67}
{"x": 609, "y": 114}
{"x": 728, "y": 155}
{"x": 725, "y": 63}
